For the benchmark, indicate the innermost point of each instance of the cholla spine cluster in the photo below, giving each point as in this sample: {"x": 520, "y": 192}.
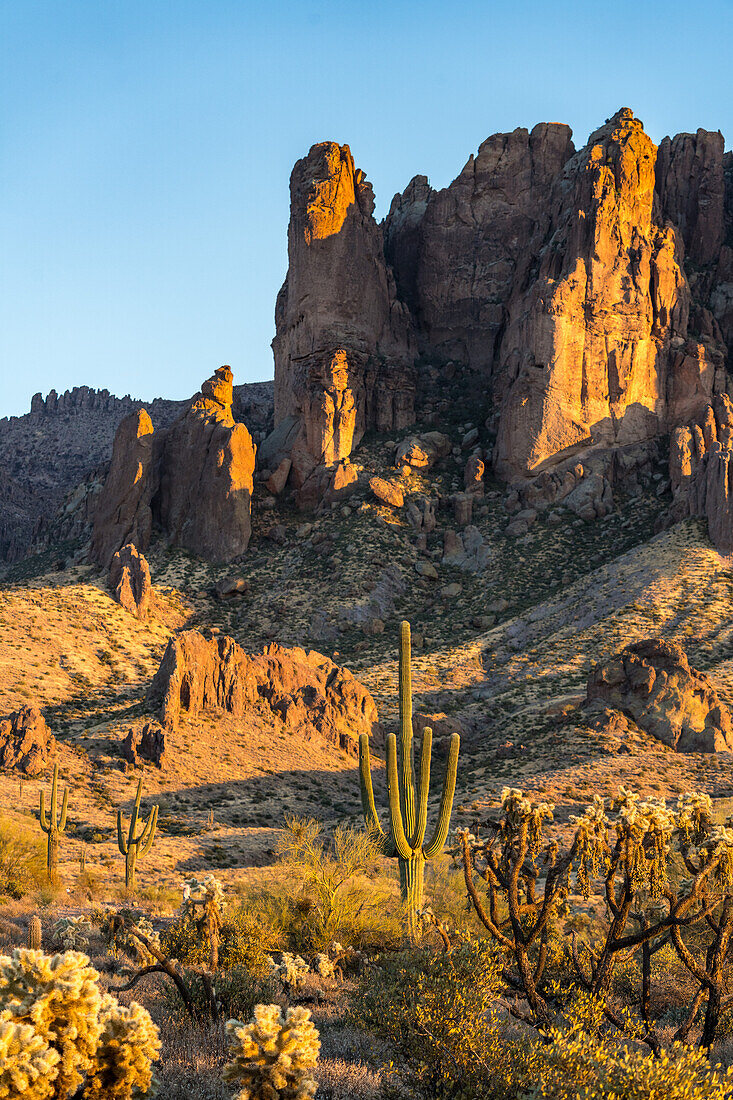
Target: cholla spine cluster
{"x": 61, "y": 1036}
{"x": 72, "y": 932}
{"x": 291, "y": 971}
{"x": 272, "y": 1057}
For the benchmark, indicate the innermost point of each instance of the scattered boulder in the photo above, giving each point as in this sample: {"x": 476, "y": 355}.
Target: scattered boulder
{"x": 421, "y": 514}
{"x": 276, "y": 481}
{"x": 591, "y": 498}
{"x": 129, "y": 579}
{"x": 468, "y": 551}
{"x": 652, "y": 683}
{"x": 26, "y": 742}
{"x": 226, "y": 587}
{"x": 462, "y": 508}
{"x": 147, "y": 743}
{"x": 307, "y": 692}
{"x": 473, "y": 475}
{"x": 426, "y": 569}
{"x": 422, "y": 451}
{"x": 387, "y": 492}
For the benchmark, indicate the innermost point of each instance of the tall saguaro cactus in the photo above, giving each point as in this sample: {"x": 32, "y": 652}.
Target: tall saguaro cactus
{"x": 53, "y": 825}
{"x": 408, "y": 821}
{"x": 136, "y": 844}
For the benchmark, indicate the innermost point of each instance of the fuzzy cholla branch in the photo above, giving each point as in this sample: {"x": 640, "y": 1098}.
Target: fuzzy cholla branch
{"x": 61, "y": 1037}
{"x": 272, "y": 1057}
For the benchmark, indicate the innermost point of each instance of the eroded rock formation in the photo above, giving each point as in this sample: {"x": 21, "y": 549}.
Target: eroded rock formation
{"x": 343, "y": 340}
{"x": 307, "y": 692}
{"x": 129, "y": 579}
{"x": 193, "y": 480}
{"x": 147, "y": 743}
{"x": 26, "y": 742}
{"x": 701, "y": 471}
{"x": 592, "y": 290}
{"x": 652, "y": 683}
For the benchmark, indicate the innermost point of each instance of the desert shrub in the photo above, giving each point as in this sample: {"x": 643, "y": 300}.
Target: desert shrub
{"x": 244, "y": 941}
{"x": 22, "y": 860}
{"x": 273, "y": 1056}
{"x": 291, "y": 971}
{"x": 439, "y": 1013}
{"x": 341, "y": 893}
{"x": 575, "y": 1064}
{"x": 61, "y": 1036}
{"x": 117, "y": 930}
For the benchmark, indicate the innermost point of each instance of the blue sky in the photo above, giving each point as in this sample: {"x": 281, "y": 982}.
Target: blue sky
{"x": 146, "y": 147}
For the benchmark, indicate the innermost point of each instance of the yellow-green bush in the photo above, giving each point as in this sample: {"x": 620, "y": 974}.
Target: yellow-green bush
{"x": 273, "y": 1056}
{"x": 22, "y": 860}
{"x": 61, "y": 1036}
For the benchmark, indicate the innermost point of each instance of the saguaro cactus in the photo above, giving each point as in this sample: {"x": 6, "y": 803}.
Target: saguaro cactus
{"x": 406, "y": 837}
{"x": 135, "y": 845}
{"x": 53, "y": 825}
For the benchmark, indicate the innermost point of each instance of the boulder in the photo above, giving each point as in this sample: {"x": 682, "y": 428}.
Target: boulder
{"x": 652, "y": 683}
{"x": 387, "y": 492}
{"x": 307, "y": 692}
{"x": 26, "y": 743}
{"x": 147, "y": 743}
{"x": 226, "y": 587}
{"x": 276, "y": 481}
{"x": 473, "y": 474}
{"x": 129, "y": 579}
{"x": 422, "y": 451}
{"x": 701, "y": 472}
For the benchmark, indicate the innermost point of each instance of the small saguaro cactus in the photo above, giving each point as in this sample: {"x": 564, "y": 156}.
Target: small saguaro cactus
{"x": 136, "y": 844}
{"x": 34, "y": 933}
{"x": 53, "y": 825}
{"x": 406, "y": 838}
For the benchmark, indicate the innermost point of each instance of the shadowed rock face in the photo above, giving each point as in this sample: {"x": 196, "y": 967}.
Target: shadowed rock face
{"x": 194, "y": 480}
{"x": 701, "y": 471}
{"x": 652, "y": 682}
{"x": 307, "y": 692}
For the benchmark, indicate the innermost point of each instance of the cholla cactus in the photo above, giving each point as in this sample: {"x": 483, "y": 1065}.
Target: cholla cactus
{"x": 117, "y": 931}
{"x": 28, "y": 1066}
{"x": 291, "y": 971}
{"x": 324, "y": 966}
{"x": 271, "y": 1057}
{"x": 203, "y": 902}
{"x": 72, "y": 932}
{"x": 60, "y": 1036}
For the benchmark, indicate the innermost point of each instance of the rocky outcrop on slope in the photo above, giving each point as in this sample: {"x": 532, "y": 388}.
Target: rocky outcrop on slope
{"x": 26, "y": 742}
{"x": 194, "y": 480}
{"x": 129, "y": 579}
{"x": 701, "y": 471}
{"x": 54, "y": 459}
{"x": 652, "y": 683}
{"x": 343, "y": 340}
{"x": 307, "y": 692}
{"x": 147, "y": 743}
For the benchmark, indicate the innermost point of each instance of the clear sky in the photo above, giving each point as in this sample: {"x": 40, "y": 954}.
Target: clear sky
{"x": 146, "y": 147}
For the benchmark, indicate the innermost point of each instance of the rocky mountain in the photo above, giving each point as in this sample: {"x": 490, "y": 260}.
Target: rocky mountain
{"x": 66, "y": 438}
{"x": 590, "y": 293}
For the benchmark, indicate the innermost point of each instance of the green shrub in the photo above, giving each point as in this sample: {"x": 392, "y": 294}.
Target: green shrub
{"x": 22, "y": 860}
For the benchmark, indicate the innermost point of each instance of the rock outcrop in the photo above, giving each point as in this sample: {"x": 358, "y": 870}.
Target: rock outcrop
{"x": 194, "y": 480}
{"x": 129, "y": 579}
{"x": 592, "y": 291}
{"x": 701, "y": 471}
{"x": 652, "y": 683}
{"x": 307, "y": 692}
{"x": 26, "y": 742}
{"x": 343, "y": 340}
{"x": 147, "y": 743}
